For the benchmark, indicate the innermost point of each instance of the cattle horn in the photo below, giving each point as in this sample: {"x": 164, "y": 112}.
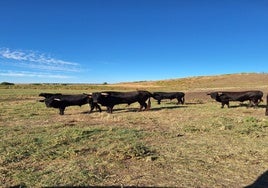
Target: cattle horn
{"x": 56, "y": 99}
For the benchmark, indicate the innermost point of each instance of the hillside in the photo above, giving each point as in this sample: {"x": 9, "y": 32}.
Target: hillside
{"x": 204, "y": 83}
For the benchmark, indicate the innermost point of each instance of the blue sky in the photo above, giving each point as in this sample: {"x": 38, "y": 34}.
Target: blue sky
{"x": 97, "y": 41}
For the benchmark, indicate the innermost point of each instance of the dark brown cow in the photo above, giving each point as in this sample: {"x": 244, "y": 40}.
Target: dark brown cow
{"x": 169, "y": 95}
{"x": 254, "y": 97}
{"x": 61, "y": 101}
{"x": 112, "y": 98}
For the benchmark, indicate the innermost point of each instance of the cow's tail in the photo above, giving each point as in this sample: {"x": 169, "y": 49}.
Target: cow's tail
{"x": 182, "y": 100}
{"x": 149, "y": 101}
{"x": 149, "y": 104}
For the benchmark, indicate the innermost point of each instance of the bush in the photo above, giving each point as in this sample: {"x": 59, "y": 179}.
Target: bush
{"x": 7, "y": 84}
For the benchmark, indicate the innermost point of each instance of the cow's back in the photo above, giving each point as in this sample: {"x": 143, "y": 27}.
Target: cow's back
{"x": 74, "y": 99}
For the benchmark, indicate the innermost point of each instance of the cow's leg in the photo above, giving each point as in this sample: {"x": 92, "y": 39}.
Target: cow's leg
{"x": 225, "y": 103}
{"x": 266, "y": 112}
{"x": 142, "y": 104}
{"x": 256, "y": 102}
{"x": 92, "y": 106}
{"x": 98, "y": 106}
{"x": 149, "y": 105}
{"x": 159, "y": 101}
{"x": 182, "y": 100}
{"x": 110, "y": 109}
{"x": 178, "y": 101}
{"x": 251, "y": 103}
{"x": 62, "y": 110}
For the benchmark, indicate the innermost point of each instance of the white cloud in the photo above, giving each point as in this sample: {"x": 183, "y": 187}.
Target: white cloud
{"x": 32, "y": 74}
{"x": 36, "y": 60}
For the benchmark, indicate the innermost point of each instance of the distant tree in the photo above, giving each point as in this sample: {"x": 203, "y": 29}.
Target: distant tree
{"x": 105, "y": 83}
{"x": 7, "y": 84}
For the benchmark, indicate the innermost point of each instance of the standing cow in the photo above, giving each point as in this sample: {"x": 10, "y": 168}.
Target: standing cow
{"x": 169, "y": 95}
{"x": 254, "y": 97}
{"x": 61, "y": 101}
{"x": 112, "y": 98}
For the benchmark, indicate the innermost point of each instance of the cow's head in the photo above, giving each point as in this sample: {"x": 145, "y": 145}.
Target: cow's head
{"x": 98, "y": 96}
{"x": 42, "y": 94}
{"x": 213, "y": 95}
{"x": 156, "y": 96}
{"x": 48, "y": 95}
{"x": 53, "y": 102}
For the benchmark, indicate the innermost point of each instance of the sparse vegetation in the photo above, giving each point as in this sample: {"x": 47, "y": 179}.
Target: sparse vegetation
{"x": 193, "y": 145}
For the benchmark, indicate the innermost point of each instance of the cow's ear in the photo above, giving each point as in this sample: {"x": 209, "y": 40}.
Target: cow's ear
{"x": 56, "y": 99}
{"x": 105, "y": 94}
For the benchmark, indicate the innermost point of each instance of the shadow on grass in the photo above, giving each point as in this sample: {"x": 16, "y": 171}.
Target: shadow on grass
{"x": 194, "y": 103}
{"x": 167, "y": 107}
{"x": 246, "y": 105}
{"x": 261, "y": 182}
{"x": 69, "y": 186}
{"x": 126, "y": 110}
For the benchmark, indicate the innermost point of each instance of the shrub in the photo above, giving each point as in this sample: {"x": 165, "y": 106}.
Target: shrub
{"x": 7, "y": 84}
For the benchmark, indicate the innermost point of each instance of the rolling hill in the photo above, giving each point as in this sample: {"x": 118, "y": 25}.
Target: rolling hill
{"x": 205, "y": 83}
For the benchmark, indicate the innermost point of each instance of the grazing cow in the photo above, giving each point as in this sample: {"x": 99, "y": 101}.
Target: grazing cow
{"x": 111, "y": 98}
{"x": 254, "y": 97}
{"x": 266, "y": 112}
{"x": 169, "y": 95}
{"x": 61, "y": 101}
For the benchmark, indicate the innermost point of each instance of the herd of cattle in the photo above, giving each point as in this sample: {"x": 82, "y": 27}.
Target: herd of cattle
{"x": 112, "y": 98}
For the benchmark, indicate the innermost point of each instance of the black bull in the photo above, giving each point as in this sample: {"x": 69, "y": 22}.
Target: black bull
{"x": 254, "y": 97}
{"x": 111, "y": 98}
{"x": 61, "y": 101}
{"x": 169, "y": 95}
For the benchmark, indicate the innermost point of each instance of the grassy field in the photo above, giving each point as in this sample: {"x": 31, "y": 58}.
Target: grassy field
{"x": 193, "y": 145}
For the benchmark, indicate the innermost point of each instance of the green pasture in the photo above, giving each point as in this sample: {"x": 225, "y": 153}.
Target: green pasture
{"x": 193, "y": 145}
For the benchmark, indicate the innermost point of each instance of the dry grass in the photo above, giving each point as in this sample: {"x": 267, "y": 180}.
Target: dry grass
{"x": 194, "y": 145}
